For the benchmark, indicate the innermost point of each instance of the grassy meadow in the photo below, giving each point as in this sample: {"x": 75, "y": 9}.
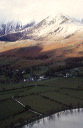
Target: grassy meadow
{"x": 45, "y": 97}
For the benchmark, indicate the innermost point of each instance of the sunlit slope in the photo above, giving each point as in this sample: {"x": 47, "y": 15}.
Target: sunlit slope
{"x": 50, "y": 40}
{"x": 71, "y": 47}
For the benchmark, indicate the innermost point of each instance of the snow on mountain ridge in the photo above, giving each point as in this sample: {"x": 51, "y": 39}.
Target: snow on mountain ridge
{"x": 57, "y": 26}
{"x": 59, "y": 19}
{"x": 50, "y": 28}
{"x": 10, "y": 27}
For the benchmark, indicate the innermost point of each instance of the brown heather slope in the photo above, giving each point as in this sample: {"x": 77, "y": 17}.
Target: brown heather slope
{"x": 38, "y": 52}
{"x": 68, "y": 47}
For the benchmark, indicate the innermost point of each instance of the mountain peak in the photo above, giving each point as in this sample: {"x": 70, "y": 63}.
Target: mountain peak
{"x": 50, "y": 28}
{"x": 60, "y": 18}
{"x": 53, "y": 27}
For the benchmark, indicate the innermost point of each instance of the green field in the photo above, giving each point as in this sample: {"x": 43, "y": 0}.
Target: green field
{"x": 19, "y": 118}
{"x": 40, "y": 104}
{"x": 74, "y": 93}
{"x": 46, "y": 96}
{"x": 9, "y": 108}
{"x": 64, "y": 99}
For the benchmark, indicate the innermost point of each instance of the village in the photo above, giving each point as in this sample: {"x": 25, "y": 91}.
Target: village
{"x": 36, "y": 74}
{"x": 67, "y": 74}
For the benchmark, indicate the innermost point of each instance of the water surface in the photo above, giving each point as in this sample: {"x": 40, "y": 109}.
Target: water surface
{"x": 66, "y": 119}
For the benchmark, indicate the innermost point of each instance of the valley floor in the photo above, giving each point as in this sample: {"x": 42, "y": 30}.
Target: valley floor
{"x": 45, "y": 97}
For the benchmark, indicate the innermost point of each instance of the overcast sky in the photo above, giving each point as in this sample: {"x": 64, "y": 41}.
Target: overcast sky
{"x": 27, "y": 10}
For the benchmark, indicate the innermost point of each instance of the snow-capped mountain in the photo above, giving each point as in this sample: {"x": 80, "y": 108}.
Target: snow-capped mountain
{"x": 56, "y": 27}
{"x": 14, "y": 30}
{"x": 54, "y": 37}
{"x": 14, "y": 26}
{"x": 51, "y": 28}
{"x": 10, "y": 27}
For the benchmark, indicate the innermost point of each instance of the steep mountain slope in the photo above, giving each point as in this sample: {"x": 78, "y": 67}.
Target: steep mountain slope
{"x": 53, "y": 39}
{"x": 14, "y": 30}
{"x": 52, "y": 28}
{"x": 55, "y": 28}
{"x": 10, "y": 27}
{"x": 28, "y": 53}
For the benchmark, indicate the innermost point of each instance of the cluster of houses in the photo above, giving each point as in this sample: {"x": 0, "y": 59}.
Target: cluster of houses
{"x": 69, "y": 74}
{"x": 40, "y": 78}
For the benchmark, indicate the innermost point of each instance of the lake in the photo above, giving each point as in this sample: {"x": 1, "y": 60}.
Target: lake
{"x": 65, "y": 119}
